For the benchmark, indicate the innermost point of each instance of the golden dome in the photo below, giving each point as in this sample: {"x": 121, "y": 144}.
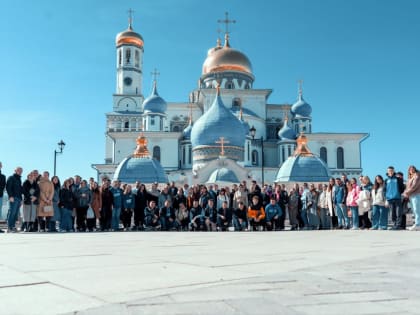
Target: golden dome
{"x": 129, "y": 37}
{"x": 226, "y": 59}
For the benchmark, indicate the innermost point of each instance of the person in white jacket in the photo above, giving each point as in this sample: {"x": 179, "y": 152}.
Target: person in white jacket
{"x": 379, "y": 211}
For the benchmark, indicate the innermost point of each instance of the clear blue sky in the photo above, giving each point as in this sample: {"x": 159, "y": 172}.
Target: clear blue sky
{"x": 359, "y": 59}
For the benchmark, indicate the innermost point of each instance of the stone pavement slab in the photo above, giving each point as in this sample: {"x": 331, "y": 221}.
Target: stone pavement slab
{"x": 311, "y": 272}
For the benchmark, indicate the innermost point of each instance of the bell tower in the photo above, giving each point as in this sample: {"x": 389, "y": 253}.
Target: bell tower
{"x": 129, "y": 50}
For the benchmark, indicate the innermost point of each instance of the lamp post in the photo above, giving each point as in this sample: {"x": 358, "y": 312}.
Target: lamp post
{"x": 252, "y": 131}
{"x": 61, "y": 145}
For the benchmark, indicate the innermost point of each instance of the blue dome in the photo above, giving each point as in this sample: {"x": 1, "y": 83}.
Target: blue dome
{"x": 303, "y": 169}
{"x": 154, "y": 103}
{"x": 186, "y": 134}
{"x": 286, "y": 133}
{"x": 223, "y": 175}
{"x": 303, "y": 166}
{"x": 301, "y": 108}
{"x": 218, "y": 122}
{"x": 144, "y": 169}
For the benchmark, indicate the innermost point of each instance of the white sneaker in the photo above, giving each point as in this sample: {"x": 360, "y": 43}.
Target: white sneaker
{"x": 414, "y": 228}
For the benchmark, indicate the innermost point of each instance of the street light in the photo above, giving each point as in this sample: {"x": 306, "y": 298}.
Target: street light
{"x": 61, "y": 145}
{"x": 252, "y": 131}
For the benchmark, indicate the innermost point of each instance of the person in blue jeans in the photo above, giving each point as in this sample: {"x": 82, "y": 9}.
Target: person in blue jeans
{"x": 379, "y": 211}
{"x": 15, "y": 192}
{"x": 412, "y": 192}
{"x": 117, "y": 193}
{"x": 340, "y": 204}
{"x": 394, "y": 187}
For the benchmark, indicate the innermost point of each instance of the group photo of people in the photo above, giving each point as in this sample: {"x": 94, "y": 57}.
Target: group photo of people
{"x": 40, "y": 203}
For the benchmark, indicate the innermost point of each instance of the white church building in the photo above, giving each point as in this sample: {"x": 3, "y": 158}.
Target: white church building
{"x": 196, "y": 139}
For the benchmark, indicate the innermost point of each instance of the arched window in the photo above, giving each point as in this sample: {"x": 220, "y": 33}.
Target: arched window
{"x": 156, "y": 152}
{"x": 183, "y": 155}
{"x": 229, "y": 85}
{"x": 340, "y": 158}
{"x": 323, "y": 154}
{"x": 236, "y": 103}
{"x": 127, "y": 55}
{"x": 254, "y": 157}
{"x": 283, "y": 155}
{"x": 126, "y": 125}
{"x": 176, "y": 129}
{"x": 249, "y": 151}
{"x": 119, "y": 57}
{"x": 189, "y": 154}
{"x": 136, "y": 59}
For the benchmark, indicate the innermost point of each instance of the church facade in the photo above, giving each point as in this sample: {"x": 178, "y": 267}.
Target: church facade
{"x": 190, "y": 139}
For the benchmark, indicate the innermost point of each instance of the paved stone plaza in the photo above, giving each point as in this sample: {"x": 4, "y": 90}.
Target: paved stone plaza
{"x": 314, "y": 272}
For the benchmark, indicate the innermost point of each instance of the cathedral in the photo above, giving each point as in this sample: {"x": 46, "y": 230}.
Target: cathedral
{"x": 227, "y": 131}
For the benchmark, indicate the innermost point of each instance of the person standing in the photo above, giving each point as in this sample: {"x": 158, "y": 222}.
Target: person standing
{"x": 117, "y": 193}
{"x": 30, "y": 202}
{"x": 83, "y": 200}
{"x": 96, "y": 205}
{"x": 412, "y": 192}
{"x": 45, "y": 207}
{"x": 57, "y": 211}
{"x": 379, "y": 211}
{"x": 2, "y": 187}
{"x": 323, "y": 205}
{"x": 339, "y": 202}
{"x": 394, "y": 186}
{"x": 128, "y": 202}
{"x": 107, "y": 202}
{"x": 14, "y": 191}
{"x": 66, "y": 205}
{"x": 293, "y": 208}
{"x": 352, "y": 202}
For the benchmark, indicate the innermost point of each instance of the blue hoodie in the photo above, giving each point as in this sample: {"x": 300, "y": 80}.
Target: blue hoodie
{"x": 394, "y": 186}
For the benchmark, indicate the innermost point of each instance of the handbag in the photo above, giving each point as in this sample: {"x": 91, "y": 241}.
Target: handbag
{"x": 90, "y": 213}
{"x": 48, "y": 209}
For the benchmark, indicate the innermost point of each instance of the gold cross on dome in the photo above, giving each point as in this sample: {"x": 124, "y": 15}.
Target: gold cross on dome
{"x": 227, "y": 22}
{"x": 222, "y": 142}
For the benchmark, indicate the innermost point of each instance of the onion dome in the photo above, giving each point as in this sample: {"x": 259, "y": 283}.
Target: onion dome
{"x": 218, "y": 122}
{"x": 301, "y": 108}
{"x": 129, "y": 37}
{"x": 186, "y": 134}
{"x": 154, "y": 103}
{"x": 140, "y": 166}
{"x": 286, "y": 133}
{"x": 226, "y": 59}
{"x": 223, "y": 176}
{"x": 303, "y": 166}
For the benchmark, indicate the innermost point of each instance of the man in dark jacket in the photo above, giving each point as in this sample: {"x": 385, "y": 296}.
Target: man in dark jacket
{"x": 2, "y": 187}
{"x": 394, "y": 187}
{"x": 14, "y": 191}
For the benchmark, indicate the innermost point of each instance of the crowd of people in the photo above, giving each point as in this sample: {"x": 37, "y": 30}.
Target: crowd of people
{"x": 44, "y": 204}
